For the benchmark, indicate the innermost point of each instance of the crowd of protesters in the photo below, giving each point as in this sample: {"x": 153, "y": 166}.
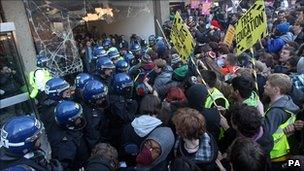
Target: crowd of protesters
{"x": 139, "y": 106}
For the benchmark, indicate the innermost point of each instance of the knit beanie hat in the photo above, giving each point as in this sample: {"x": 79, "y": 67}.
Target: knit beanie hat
{"x": 179, "y": 74}
{"x": 175, "y": 59}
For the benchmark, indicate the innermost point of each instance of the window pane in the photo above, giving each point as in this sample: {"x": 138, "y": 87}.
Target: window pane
{"x": 11, "y": 80}
{"x": 15, "y": 110}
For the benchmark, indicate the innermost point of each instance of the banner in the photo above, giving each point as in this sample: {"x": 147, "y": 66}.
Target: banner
{"x": 229, "y": 35}
{"x": 181, "y": 37}
{"x": 251, "y": 27}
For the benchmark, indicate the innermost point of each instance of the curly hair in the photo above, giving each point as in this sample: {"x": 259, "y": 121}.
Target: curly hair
{"x": 189, "y": 123}
{"x": 246, "y": 118}
{"x": 107, "y": 153}
{"x": 245, "y": 154}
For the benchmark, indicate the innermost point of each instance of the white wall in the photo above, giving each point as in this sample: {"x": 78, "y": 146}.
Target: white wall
{"x": 140, "y": 22}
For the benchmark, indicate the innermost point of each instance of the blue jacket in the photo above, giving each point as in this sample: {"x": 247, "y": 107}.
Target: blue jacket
{"x": 275, "y": 45}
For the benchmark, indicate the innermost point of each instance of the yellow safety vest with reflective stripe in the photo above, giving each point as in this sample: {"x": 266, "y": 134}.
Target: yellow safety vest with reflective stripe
{"x": 252, "y": 100}
{"x": 215, "y": 94}
{"x": 32, "y": 80}
{"x": 281, "y": 145}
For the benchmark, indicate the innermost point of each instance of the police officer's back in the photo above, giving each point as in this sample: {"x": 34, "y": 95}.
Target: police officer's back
{"x": 94, "y": 104}
{"x": 123, "y": 108}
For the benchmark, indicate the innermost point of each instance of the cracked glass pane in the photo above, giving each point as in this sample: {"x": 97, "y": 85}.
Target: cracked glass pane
{"x": 54, "y": 23}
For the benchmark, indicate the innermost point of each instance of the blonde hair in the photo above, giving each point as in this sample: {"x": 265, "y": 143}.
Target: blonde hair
{"x": 282, "y": 81}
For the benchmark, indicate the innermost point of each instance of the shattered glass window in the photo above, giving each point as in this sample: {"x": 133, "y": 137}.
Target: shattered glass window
{"x": 54, "y": 23}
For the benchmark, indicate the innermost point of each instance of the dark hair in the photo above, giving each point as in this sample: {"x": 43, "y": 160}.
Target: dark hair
{"x": 209, "y": 77}
{"x": 150, "y": 104}
{"x": 294, "y": 45}
{"x": 232, "y": 58}
{"x": 293, "y": 62}
{"x": 244, "y": 85}
{"x": 246, "y": 118}
{"x": 267, "y": 58}
{"x": 189, "y": 123}
{"x": 245, "y": 154}
{"x": 292, "y": 50}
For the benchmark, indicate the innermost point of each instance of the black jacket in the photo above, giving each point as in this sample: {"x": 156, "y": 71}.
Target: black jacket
{"x": 68, "y": 146}
{"x": 266, "y": 141}
{"x": 197, "y": 95}
{"x": 97, "y": 126}
{"x": 37, "y": 162}
{"x": 96, "y": 163}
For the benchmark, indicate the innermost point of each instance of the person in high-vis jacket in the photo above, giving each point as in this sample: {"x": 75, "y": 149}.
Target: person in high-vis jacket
{"x": 216, "y": 97}
{"x": 281, "y": 112}
{"x": 244, "y": 93}
{"x": 39, "y": 77}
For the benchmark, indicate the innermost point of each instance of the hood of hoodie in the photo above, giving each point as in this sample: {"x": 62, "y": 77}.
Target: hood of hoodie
{"x": 165, "y": 138}
{"x": 288, "y": 37}
{"x": 286, "y": 103}
{"x": 196, "y": 96}
{"x": 144, "y": 124}
{"x": 300, "y": 66}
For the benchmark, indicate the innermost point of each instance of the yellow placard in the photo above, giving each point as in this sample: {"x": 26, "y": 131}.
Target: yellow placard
{"x": 251, "y": 27}
{"x": 181, "y": 37}
{"x": 229, "y": 35}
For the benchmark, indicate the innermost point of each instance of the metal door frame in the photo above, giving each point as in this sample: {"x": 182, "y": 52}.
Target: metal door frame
{"x": 19, "y": 98}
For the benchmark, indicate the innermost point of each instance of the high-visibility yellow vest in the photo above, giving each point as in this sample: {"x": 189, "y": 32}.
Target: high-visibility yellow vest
{"x": 216, "y": 94}
{"x": 32, "y": 81}
{"x": 252, "y": 100}
{"x": 281, "y": 145}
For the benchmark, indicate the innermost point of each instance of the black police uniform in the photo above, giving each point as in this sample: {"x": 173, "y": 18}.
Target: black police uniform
{"x": 122, "y": 112}
{"x": 68, "y": 146}
{"x": 36, "y": 161}
{"x": 97, "y": 127}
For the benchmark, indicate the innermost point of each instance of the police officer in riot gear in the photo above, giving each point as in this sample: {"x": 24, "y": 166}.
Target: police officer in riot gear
{"x": 56, "y": 90}
{"x": 95, "y": 104}
{"x": 107, "y": 44}
{"x": 79, "y": 82}
{"x": 66, "y": 137}
{"x": 122, "y": 66}
{"x": 123, "y": 108}
{"x": 129, "y": 57}
{"x": 20, "y": 146}
{"x": 105, "y": 69}
{"x": 38, "y": 78}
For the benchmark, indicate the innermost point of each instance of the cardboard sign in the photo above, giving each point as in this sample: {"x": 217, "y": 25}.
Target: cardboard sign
{"x": 229, "y": 35}
{"x": 251, "y": 27}
{"x": 181, "y": 37}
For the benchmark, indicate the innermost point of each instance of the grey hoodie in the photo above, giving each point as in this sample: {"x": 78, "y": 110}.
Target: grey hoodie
{"x": 275, "y": 115}
{"x": 163, "y": 78}
{"x": 163, "y": 136}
